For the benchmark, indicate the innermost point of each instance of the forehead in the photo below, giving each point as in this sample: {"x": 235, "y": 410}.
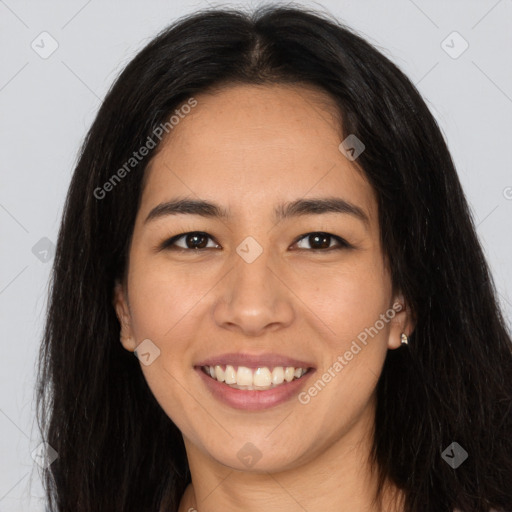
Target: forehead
{"x": 248, "y": 146}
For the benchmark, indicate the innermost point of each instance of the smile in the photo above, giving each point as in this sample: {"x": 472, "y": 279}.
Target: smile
{"x": 253, "y": 379}
{"x": 289, "y": 381}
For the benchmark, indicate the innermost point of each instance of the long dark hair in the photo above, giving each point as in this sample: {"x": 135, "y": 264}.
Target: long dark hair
{"x": 117, "y": 449}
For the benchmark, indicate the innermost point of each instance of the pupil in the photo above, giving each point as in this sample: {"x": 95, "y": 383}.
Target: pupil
{"x": 193, "y": 241}
{"x": 314, "y": 240}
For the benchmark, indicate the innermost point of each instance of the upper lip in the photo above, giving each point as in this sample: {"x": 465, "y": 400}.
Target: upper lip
{"x": 254, "y": 360}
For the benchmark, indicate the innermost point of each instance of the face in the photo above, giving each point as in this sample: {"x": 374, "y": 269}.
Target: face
{"x": 286, "y": 271}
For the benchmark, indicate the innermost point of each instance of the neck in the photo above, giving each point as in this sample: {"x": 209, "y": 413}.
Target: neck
{"x": 340, "y": 478}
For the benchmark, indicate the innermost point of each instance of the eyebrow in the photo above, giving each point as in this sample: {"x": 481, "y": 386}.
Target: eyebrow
{"x": 300, "y": 207}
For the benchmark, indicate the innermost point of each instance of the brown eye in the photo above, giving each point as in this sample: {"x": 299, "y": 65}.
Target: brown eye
{"x": 322, "y": 241}
{"x": 195, "y": 240}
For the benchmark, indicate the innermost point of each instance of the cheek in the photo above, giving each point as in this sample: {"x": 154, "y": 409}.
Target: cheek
{"x": 349, "y": 305}
{"x": 164, "y": 305}
{"x": 161, "y": 296}
{"x": 346, "y": 299}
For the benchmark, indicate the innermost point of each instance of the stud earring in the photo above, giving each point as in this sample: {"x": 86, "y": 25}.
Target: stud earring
{"x": 404, "y": 339}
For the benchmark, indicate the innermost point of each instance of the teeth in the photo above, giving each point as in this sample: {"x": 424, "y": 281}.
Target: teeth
{"x": 230, "y": 375}
{"x": 244, "y": 376}
{"x": 277, "y": 375}
{"x": 262, "y": 377}
{"x": 258, "y": 379}
{"x": 289, "y": 373}
{"x": 219, "y": 374}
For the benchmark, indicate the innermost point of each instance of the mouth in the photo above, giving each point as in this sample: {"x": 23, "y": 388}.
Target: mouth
{"x": 253, "y": 388}
{"x": 261, "y": 378}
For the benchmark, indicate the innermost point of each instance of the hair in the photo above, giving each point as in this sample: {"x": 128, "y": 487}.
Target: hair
{"x": 452, "y": 383}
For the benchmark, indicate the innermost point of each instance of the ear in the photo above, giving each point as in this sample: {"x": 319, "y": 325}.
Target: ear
{"x": 121, "y": 306}
{"x": 403, "y": 321}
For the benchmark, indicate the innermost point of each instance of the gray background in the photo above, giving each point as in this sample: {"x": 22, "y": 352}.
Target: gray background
{"x": 47, "y": 104}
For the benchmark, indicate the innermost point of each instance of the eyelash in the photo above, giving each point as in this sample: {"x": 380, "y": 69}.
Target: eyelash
{"x": 169, "y": 243}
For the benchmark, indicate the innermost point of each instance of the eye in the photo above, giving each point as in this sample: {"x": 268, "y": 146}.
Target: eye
{"x": 322, "y": 241}
{"x": 198, "y": 240}
{"x": 195, "y": 240}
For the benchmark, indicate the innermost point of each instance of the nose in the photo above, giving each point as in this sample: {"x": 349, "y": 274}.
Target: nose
{"x": 253, "y": 299}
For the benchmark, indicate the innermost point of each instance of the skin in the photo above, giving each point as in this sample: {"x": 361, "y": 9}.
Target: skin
{"x": 249, "y": 148}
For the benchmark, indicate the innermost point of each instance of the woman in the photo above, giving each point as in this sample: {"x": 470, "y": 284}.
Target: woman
{"x": 266, "y": 215}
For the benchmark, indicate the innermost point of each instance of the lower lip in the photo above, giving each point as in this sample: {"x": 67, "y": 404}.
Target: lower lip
{"x": 254, "y": 400}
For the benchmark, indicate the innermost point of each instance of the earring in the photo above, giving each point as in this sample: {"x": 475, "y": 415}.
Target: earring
{"x": 404, "y": 339}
